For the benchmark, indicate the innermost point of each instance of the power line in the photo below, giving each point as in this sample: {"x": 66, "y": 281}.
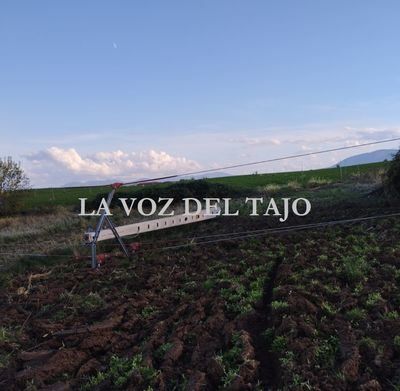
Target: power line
{"x": 244, "y": 234}
{"x": 283, "y": 229}
{"x": 260, "y": 162}
{"x": 173, "y": 176}
{"x": 266, "y": 230}
{"x": 36, "y": 255}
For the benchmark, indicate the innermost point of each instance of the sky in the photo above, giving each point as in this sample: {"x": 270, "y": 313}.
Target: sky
{"x": 100, "y": 90}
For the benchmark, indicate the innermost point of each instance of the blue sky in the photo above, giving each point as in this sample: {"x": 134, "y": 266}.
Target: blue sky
{"x": 125, "y": 89}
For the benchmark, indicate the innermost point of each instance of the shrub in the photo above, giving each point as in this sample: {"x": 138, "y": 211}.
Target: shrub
{"x": 392, "y": 182}
{"x": 294, "y": 185}
{"x": 272, "y": 188}
{"x": 314, "y": 182}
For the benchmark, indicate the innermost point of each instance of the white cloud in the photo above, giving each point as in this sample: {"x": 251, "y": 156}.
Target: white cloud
{"x": 59, "y": 165}
{"x": 72, "y": 161}
{"x": 68, "y": 163}
{"x": 256, "y": 141}
{"x": 372, "y": 134}
{"x": 307, "y": 139}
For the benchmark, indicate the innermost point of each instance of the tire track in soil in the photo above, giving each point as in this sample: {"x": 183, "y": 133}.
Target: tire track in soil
{"x": 257, "y": 324}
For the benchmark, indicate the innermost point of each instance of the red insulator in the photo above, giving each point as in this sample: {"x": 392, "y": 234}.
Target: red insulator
{"x": 135, "y": 246}
{"x": 101, "y": 258}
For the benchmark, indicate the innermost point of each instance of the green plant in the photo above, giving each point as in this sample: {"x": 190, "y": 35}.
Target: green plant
{"x": 325, "y": 353}
{"x": 373, "y": 299}
{"x": 235, "y": 299}
{"x": 328, "y": 308}
{"x": 177, "y": 384}
{"x": 331, "y": 289}
{"x": 5, "y": 335}
{"x": 120, "y": 371}
{"x": 4, "y": 359}
{"x": 358, "y": 289}
{"x": 367, "y": 343}
{"x": 91, "y": 302}
{"x": 279, "y": 344}
{"x": 231, "y": 360}
{"x": 392, "y": 315}
{"x": 148, "y": 311}
{"x": 355, "y": 315}
{"x": 209, "y": 284}
{"x": 353, "y": 268}
{"x": 240, "y": 296}
{"x": 94, "y": 381}
{"x": 278, "y": 305}
{"x": 85, "y": 303}
{"x": 256, "y": 290}
{"x": 190, "y": 286}
{"x": 162, "y": 349}
{"x": 287, "y": 361}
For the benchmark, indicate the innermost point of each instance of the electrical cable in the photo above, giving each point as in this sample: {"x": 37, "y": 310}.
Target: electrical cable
{"x": 245, "y": 234}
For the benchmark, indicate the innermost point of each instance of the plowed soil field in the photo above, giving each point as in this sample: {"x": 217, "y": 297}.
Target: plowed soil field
{"x": 310, "y": 310}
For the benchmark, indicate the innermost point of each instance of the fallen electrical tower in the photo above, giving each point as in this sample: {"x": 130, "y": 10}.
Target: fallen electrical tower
{"x": 100, "y": 233}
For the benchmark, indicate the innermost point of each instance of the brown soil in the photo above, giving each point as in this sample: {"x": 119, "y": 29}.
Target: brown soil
{"x": 72, "y": 321}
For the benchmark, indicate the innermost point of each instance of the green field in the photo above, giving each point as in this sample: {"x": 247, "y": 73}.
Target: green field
{"x": 52, "y": 197}
{"x": 303, "y": 177}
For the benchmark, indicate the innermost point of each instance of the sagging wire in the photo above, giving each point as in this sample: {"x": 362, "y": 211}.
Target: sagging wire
{"x": 238, "y": 235}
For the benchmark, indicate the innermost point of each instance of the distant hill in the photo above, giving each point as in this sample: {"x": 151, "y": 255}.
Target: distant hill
{"x": 369, "y": 157}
